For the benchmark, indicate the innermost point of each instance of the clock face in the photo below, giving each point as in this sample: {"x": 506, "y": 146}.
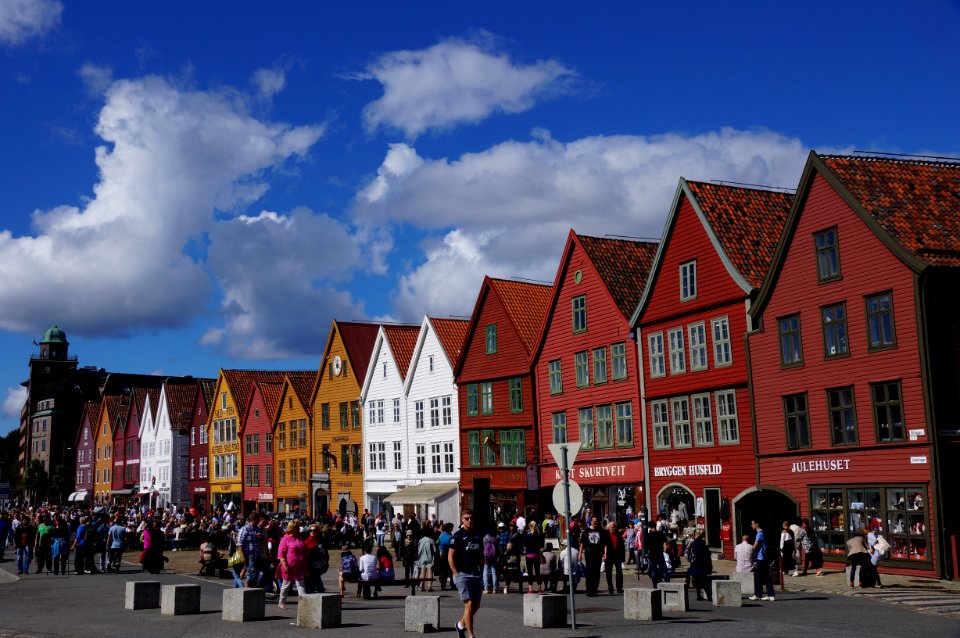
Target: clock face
{"x": 337, "y": 365}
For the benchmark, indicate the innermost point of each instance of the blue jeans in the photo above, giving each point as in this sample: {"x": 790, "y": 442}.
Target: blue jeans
{"x": 761, "y": 577}
{"x": 253, "y": 575}
{"x": 490, "y": 577}
{"x": 24, "y": 556}
{"x": 237, "y": 581}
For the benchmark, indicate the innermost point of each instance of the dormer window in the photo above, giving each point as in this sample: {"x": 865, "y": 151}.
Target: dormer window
{"x": 492, "y": 339}
{"x": 828, "y": 256}
{"x": 223, "y": 400}
{"x": 384, "y": 369}
{"x": 431, "y": 363}
{"x": 688, "y": 281}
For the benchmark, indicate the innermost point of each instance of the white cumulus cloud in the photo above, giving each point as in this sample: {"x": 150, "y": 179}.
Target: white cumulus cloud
{"x": 21, "y": 20}
{"x": 117, "y": 263}
{"x": 455, "y": 82}
{"x": 268, "y": 82}
{"x": 505, "y": 211}
{"x": 13, "y": 402}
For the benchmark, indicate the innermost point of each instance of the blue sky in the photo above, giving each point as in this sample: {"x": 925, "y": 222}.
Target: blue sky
{"x": 188, "y": 186}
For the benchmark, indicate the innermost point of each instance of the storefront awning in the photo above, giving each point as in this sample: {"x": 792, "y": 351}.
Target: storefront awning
{"x": 422, "y": 494}
{"x": 82, "y": 495}
{"x": 129, "y": 492}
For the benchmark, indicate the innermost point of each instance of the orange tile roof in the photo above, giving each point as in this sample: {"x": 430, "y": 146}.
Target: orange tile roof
{"x": 403, "y": 340}
{"x": 623, "y": 265}
{"x": 526, "y": 305}
{"x": 240, "y": 382}
{"x": 452, "y": 334}
{"x": 747, "y": 221}
{"x": 180, "y": 400}
{"x": 358, "y": 339}
{"x": 302, "y": 383}
{"x": 271, "y": 396}
{"x": 113, "y": 410}
{"x": 917, "y": 202}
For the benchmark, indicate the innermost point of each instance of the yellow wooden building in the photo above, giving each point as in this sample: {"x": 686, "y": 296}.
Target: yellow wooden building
{"x": 292, "y": 444}
{"x": 106, "y": 422}
{"x": 337, "y": 480}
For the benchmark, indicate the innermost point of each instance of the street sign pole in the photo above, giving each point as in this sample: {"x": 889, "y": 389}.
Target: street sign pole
{"x": 566, "y": 513}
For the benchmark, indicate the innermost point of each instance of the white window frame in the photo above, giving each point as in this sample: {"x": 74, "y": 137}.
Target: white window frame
{"x": 418, "y": 414}
{"x": 655, "y": 353}
{"x": 688, "y": 280}
{"x": 421, "y": 459}
{"x": 447, "y": 408}
{"x": 702, "y": 419}
{"x": 727, "y": 420}
{"x": 436, "y": 459}
{"x": 398, "y": 455}
{"x": 449, "y": 459}
{"x": 697, "y": 333}
{"x": 434, "y": 412}
{"x": 660, "y": 422}
{"x": 396, "y": 410}
{"x": 680, "y": 415}
{"x": 678, "y": 357}
{"x": 722, "y": 349}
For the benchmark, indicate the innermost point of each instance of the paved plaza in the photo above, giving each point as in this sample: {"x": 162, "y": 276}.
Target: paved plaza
{"x": 77, "y": 606}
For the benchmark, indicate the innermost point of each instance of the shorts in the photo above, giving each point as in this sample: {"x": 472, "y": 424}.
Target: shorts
{"x": 469, "y": 586}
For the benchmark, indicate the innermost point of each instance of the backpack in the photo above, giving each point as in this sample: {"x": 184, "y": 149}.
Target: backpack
{"x": 90, "y": 536}
{"x": 323, "y": 560}
{"x": 489, "y": 549}
{"x": 349, "y": 565}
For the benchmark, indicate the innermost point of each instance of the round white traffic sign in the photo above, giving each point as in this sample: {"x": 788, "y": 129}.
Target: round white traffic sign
{"x": 576, "y": 497}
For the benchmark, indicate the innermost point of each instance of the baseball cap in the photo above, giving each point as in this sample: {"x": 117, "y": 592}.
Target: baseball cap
{"x": 501, "y": 524}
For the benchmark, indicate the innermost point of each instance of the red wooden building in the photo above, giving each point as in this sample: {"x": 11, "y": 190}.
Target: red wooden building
{"x": 198, "y": 475}
{"x": 496, "y": 394}
{"x": 585, "y": 367}
{"x": 854, "y": 364}
{"x": 692, "y": 318}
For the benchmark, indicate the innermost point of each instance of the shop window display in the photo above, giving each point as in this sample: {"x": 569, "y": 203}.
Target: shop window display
{"x": 895, "y": 511}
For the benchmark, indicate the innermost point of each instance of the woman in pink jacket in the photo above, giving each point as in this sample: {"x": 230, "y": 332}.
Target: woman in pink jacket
{"x": 292, "y": 554}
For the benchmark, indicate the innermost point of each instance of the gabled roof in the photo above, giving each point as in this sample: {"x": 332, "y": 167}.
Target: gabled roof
{"x": 181, "y": 398}
{"x": 402, "y": 339}
{"x": 358, "y": 339}
{"x": 111, "y": 407}
{"x": 623, "y": 266}
{"x": 452, "y": 334}
{"x": 744, "y": 226}
{"x": 91, "y": 412}
{"x": 207, "y": 388}
{"x": 916, "y": 202}
{"x": 302, "y": 384}
{"x": 910, "y": 205}
{"x": 240, "y": 382}
{"x": 748, "y": 223}
{"x": 271, "y": 393}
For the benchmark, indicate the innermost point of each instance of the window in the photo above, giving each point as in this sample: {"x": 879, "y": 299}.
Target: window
{"x": 888, "y": 411}
{"x": 473, "y": 447}
{"x": 449, "y": 465}
{"x": 678, "y": 359}
{"x": 397, "y": 455}
{"x": 193, "y": 435}
{"x": 727, "y": 421}
{"x": 204, "y": 467}
{"x": 223, "y": 400}
{"x": 381, "y": 454}
{"x": 421, "y": 458}
{"x": 418, "y": 414}
{"x": 325, "y": 416}
{"x": 604, "y": 426}
{"x": 488, "y": 440}
{"x": 268, "y": 443}
{"x": 618, "y": 360}
{"x": 473, "y": 400}
{"x": 345, "y": 459}
{"x": 435, "y": 412}
{"x": 355, "y": 414}
{"x": 447, "y": 410}
{"x": 790, "y": 351}
{"x": 698, "y": 346}
{"x": 559, "y": 427}
{"x": 834, "y": 330}
{"x": 516, "y": 394}
{"x": 625, "y": 424}
{"x": 293, "y": 435}
{"x": 680, "y": 409}
{"x": 303, "y": 433}
{"x": 354, "y": 453}
{"x": 268, "y": 475}
{"x": 430, "y": 359}
{"x": 702, "y": 419}
{"x": 396, "y": 410}
{"x": 512, "y": 450}
{"x": 281, "y": 436}
{"x": 828, "y": 258}
{"x": 486, "y": 397}
{"x": 660, "y": 423}
{"x": 193, "y": 468}
{"x": 344, "y": 416}
{"x": 581, "y": 365}
{"x": 203, "y": 436}
{"x": 688, "y": 281}
{"x": 880, "y": 332}
{"x": 327, "y": 457}
{"x": 599, "y": 365}
{"x": 843, "y": 419}
{"x": 798, "y": 422}
{"x": 282, "y": 472}
{"x": 373, "y": 456}
{"x": 384, "y": 369}
{"x": 580, "y": 313}
{"x": 491, "y": 339}
{"x": 373, "y": 412}
{"x": 556, "y": 380}
{"x": 586, "y": 428}
{"x": 655, "y": 350}
{"x": 435, "y": 465}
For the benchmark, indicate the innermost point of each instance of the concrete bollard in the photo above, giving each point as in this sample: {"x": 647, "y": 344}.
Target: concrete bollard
{"x": 727, "y": 593}
{"x": 179, "y": 600}
{"x": 142, "y": 594}
{"x": 544, "y": 610}
{"x": 674, "y": 596}
{"x": 319, "y": 611}
{"x": 746, "y": 582}
{"x": 421, "y": 614}
{"x": 643, "y": 604}
{"x": 244, "y": 604}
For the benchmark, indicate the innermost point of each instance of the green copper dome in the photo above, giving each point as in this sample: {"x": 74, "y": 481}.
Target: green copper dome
{"x": 54, "y": 335}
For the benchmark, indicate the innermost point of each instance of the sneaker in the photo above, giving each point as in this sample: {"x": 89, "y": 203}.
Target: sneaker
{"x": 769, "y": 598}
{"x": 461, "y": 631}
{"x": 754, "y": 597}
{"x": 504, "y": 590}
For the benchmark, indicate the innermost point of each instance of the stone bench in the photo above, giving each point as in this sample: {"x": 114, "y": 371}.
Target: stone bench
{"x": 421, "y": 614}
{"x": 746, "y": 582}
{"x": 674, "y": 596}
{"x": 642, "y": 604}
{"x": 142, "y": 594}
{"x": 319, "y": 611}
{"x": 244, "y": 604}
{"x": 179, "y": 600}
{"x": 544, "y": 610}
{"x": 727, "y": 593}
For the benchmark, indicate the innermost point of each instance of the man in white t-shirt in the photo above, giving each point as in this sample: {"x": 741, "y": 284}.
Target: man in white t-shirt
{"x": 744, "y": 555}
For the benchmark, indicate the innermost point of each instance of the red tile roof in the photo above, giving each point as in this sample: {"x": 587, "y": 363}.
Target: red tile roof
{"x": 358, "y": 339}
{"x": 403, "y": 340}
{"x": 623, "y": 265}
{"x": 748, "y": 223}
{"x": 207, "y": 388}
{"x": 180, "y": 400}
{"x": 302, "y": 383}
{"x": 916, "y": 202}
{"x": 271, "y": 396}
{"x": 240, "y": 382}
{"x": 91, "y": 410}
{"x": 526, "y": 305}
{"x": 113, "y": 410}
{"x": 452, "y": 334}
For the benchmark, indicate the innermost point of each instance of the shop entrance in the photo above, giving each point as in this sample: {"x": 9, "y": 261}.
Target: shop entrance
{"x": 769, "y": 507}
{"x": 676, "y": 502}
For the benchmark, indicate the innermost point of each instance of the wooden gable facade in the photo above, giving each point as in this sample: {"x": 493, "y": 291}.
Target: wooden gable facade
{"x": 292, "y": 428}
{"x": 86, "y": 452}
{"x": 107, "y": 422}
{"x": 198, "y": 451}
